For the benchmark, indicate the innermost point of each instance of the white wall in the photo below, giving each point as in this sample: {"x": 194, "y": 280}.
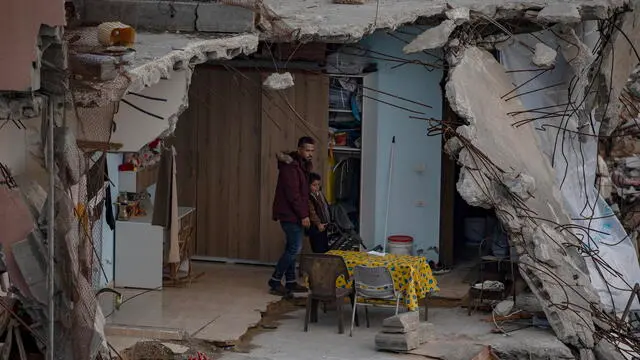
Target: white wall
{"x": 414, "y": 150}
{"x": 134, "y": 129}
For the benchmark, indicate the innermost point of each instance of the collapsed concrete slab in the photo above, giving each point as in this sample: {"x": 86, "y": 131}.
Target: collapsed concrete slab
{"x": 322, "y": 20}
{"x": 548, "y": 259}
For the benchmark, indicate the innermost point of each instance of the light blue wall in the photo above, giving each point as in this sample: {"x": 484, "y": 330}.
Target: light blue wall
{"x": 413, "y": 150}
{"x": 108, "y": 236}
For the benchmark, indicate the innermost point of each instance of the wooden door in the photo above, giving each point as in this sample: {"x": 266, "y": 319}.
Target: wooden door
{"x": 227, "y": 142}
{"x": 286, "y": 116}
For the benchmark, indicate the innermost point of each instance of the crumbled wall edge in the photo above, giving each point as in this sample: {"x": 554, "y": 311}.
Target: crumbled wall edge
{"x": 20, "y": 108}
{"x": 195, "y": 53}
{"x": 300, "y": 28}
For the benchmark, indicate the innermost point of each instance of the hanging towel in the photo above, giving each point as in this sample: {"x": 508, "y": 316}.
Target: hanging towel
{"x": 174, "y": 227}
{"x": 162, "y": 201}
{"x": 165, "y": 207}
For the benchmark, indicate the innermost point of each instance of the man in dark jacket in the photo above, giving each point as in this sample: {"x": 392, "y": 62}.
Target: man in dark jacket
{"x": 291, "y": 209}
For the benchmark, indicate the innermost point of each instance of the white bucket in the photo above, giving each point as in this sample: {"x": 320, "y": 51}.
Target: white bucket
{"x": 400, "y": 245}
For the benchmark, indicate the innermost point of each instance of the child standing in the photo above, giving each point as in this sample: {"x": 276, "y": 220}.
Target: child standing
{"x": 319, "y": 216}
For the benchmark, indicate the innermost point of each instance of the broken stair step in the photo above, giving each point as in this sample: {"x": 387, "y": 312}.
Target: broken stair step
{"x": 401, "y": 323}
{"x": 145, "y": 332}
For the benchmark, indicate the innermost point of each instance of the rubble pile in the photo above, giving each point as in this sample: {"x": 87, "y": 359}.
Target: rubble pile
{"x": 619, "y": 163}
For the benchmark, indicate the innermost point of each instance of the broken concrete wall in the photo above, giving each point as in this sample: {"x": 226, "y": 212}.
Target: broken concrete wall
{"x": 504, "y": 168}
{"x": 574, "y": 157}
{"x": 20, "y": 23}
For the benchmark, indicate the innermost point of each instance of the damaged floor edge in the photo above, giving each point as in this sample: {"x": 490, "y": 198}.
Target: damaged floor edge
{"x": 133, "y": 342}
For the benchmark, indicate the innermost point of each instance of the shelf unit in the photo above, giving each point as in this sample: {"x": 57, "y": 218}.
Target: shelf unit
{"x": 341, "y": 119}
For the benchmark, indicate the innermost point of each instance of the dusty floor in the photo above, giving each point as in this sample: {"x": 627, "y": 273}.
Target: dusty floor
{"x": 227, "y": 314}
{"x": 218, "y": 307}
{"x": 454, "y": 336}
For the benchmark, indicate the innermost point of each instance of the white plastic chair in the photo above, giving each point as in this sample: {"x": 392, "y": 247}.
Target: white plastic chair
{"x": 372, "y": 283}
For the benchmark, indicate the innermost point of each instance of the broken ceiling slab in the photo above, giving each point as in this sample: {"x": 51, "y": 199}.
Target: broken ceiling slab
{"x": 156, "y": 57}
{"x": 159, "y": 54}
{"x": 321, "y": 19}
{"x": 476, "y": 89}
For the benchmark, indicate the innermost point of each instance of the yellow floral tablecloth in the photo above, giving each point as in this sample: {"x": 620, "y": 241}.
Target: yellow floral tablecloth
{"x": 411, "y": 274}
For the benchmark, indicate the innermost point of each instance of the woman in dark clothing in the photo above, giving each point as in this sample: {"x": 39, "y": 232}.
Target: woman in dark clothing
{"x": 319, "y": 216}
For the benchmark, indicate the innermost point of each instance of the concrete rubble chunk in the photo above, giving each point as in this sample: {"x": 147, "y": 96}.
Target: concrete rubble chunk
{"x": 401, "y": 323}
{"x": 520, "y": 184}
{"x": 504, "y": 308}
{"x": 459, "y": 15}
{"x": 544, "y": 56}
{"x": 176, "y": 348}
{"x": 604, "y": 350}
{"x": 433, "y": 38}
{"x": 278, "y": 81}
{"x": 397, "y": 342}
{"x": 566, "y": 13}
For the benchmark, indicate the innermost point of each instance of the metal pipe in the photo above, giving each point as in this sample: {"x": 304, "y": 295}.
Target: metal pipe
{"x": 50, "y": 229}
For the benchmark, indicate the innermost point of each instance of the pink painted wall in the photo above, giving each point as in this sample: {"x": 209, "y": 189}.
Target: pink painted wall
{"x": 20, "y": 22}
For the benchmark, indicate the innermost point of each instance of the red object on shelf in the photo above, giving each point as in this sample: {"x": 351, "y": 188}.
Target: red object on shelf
{"x": 126, "y": 167}
{"x": 341, "y": 139}
{"x": 400, "y": 238}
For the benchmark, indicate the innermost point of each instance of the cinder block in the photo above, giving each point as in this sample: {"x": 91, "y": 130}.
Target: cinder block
{"x": 144, "y": 14}
{"x": 424, "y": 332}
{"x": 162, "y": 15}
{"x": 397, "y": 342}
{"x": 401, "y": 323}
{"x": 213, "y": 17}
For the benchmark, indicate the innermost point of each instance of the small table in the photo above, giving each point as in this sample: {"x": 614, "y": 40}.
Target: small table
{"x": 412, "y": 275}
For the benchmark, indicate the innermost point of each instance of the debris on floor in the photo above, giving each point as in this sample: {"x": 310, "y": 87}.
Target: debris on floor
{"x": 401, "y": 333}
{"x": 155, "y": 350}
{"x": 486, "y": 354}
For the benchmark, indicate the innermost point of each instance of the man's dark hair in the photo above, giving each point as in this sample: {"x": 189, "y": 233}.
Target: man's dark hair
{"x": 305, "y": 140}
{"x": 314, "y": 177}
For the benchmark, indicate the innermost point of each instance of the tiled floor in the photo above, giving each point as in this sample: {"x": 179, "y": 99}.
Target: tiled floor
{"x": 218, "y": 306}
